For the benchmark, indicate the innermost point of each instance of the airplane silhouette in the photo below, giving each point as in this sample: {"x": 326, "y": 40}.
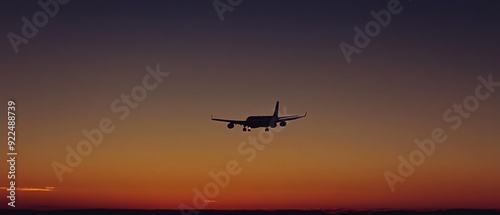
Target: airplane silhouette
{"x": 261, "y": 121}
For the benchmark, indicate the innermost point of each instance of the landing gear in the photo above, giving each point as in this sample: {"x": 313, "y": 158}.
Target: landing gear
{"x": 267, "y": 129}
{"x": 244, "y": 129}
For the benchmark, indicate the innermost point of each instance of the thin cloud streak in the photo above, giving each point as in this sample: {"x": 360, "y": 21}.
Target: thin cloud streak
{"x": 32, "y": 189}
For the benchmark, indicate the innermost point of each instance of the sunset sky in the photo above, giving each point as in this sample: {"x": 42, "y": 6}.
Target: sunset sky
{"x": 361, "y": 116}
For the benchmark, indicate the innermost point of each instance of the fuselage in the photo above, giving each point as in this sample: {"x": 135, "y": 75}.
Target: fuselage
{"x": 259, "y": 121}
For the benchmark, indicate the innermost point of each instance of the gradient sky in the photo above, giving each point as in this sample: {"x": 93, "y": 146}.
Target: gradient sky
{"x": 361, "y": 116}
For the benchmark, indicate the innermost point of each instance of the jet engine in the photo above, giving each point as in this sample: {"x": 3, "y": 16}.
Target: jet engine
{"x": 230, "y": 125}
{"x": 282, "y": 123}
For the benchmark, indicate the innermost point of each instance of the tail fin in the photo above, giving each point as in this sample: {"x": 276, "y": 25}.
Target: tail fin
{"x": 276, "y": 109}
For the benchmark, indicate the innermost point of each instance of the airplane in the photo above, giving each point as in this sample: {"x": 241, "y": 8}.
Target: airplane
{"x": 261, "y": 121}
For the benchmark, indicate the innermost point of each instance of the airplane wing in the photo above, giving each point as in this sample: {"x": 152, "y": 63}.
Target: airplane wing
{"x": 237, "y": 122}
{"x": 288, "y": 118}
